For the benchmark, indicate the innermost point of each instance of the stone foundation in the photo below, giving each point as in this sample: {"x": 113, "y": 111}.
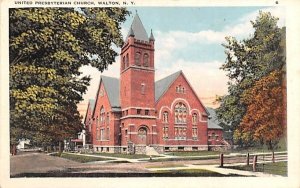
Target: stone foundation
{"x": 218, "y": 147}
{"x": 185, "y": 148}
{"x": 140, "y": 149}
{"x": 159, "y": 149}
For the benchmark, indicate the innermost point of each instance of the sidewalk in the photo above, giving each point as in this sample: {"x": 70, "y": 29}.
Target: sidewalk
{"x": 281, "y": 157}
{"x": 216, "y": 168}
{"x": 110, "y": 157}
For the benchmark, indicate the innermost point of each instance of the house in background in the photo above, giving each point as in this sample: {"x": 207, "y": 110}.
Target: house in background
{"x": 215, "y": 133}
{"x": 23, "y": 144}
{"x": 88, "y": 120}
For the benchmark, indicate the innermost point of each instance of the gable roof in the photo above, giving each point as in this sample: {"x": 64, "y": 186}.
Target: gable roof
{"x": 161, "y": 86}
{"x": 112, "y": 89}
{"x": 90, "y": 108}
{"x": 212, "y": 122}
{"x": 91, "y": 104}
{"x": 137, "y": 29}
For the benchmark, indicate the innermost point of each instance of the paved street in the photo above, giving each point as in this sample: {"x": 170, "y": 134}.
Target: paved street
{"x": 38, "y": 163}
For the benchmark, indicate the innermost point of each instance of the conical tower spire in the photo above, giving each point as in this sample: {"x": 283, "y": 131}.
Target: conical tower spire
{"x": 138, "y": 29}
{"x": 151, "y": 38}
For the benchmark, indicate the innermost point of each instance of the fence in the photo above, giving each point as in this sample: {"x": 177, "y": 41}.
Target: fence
{"x": 263, "y": 162}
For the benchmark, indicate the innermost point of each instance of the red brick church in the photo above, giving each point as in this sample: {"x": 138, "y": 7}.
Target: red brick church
{"x": 134, "y": 112}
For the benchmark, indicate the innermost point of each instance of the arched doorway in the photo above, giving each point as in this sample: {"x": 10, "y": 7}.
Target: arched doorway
{"x": 142, "y": 135}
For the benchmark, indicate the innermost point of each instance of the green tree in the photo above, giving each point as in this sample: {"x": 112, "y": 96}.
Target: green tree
{"x": 248, "y": 61}
{"x": 47, "y": 48}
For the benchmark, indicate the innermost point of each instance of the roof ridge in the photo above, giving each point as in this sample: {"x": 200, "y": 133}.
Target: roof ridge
{"x": 180, "y": 71}
{"x": 103, "y": 76}
{"x": 112, "y": 88}
{"x": 163, "y": 84}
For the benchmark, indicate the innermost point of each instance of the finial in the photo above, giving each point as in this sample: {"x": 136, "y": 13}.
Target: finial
{"x": 151, "y": 38}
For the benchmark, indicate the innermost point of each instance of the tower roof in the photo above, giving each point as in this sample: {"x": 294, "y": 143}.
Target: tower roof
{"x": 151, "y": 38}
{"x": 138, "y": 29}
{"x": 131, "y": 33}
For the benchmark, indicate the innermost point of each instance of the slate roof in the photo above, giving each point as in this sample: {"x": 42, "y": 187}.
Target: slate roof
{"x": 138, "y": 30}
{"x": 112, "y": 89}
{"x": 213, "y": 122}
{"x": 91, "y": 104}
{"x": 162, "y": 85}
{"x": 91, "y": 107}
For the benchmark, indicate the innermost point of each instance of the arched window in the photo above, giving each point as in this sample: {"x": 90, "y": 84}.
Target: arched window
{"x": 165, "y": 117}
{"x": 146, "y": 60}
{"x": 107, "y": 118}
{"x": 194, "y": 133}
{"x": 142, "y": 131}
{"x": 127, "y": 61}
{"x": 194, "y": 118}
{"x": 102, "y": 115}
{"x": 180, "y": 113}
{"x": 213, "y": 135}
{"x": 137, "y": 58}
{"x": 165, "y": 132}
{"x": 124, "y": 63}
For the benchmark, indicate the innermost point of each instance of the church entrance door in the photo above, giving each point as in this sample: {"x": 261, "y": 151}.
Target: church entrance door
{"x": 142, "y": 136}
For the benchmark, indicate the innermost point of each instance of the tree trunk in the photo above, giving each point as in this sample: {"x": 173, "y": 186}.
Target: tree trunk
{"x": 45, "y": 148}
{"x": 60, "y": 147}
{"x": 48, "y": 149}
{"x": 13, "y": 149}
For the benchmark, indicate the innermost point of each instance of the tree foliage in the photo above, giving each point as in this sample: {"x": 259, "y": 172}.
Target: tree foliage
{"x": 264, "y": 118}
{"x": 248, "y": 61}
{"x": 47, "y": 48}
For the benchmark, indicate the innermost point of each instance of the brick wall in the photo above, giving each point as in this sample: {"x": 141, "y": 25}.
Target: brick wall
{"x": 168, "y": 102}
{"x": 112, "y": 124}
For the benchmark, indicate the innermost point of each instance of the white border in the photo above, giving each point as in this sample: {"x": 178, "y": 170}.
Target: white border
{"x": 293, "y": 73}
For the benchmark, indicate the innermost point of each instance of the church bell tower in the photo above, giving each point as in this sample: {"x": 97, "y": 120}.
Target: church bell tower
{"x": 137, "y": 67}
{"x": 137, "y": 89}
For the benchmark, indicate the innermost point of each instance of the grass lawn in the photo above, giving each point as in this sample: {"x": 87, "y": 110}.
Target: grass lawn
{"x": 80, "y": 158}
{"x": 194, "y": 172}
{"x": 254, "y": 150}
{"x": 194, "y": 153}
{"x": 166, "y": 166}
{"x": 182, "y": 159}
{"x": 120, "y": 155}
{"x": 282, "y": 146}
{"x": 278, "y": 168}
